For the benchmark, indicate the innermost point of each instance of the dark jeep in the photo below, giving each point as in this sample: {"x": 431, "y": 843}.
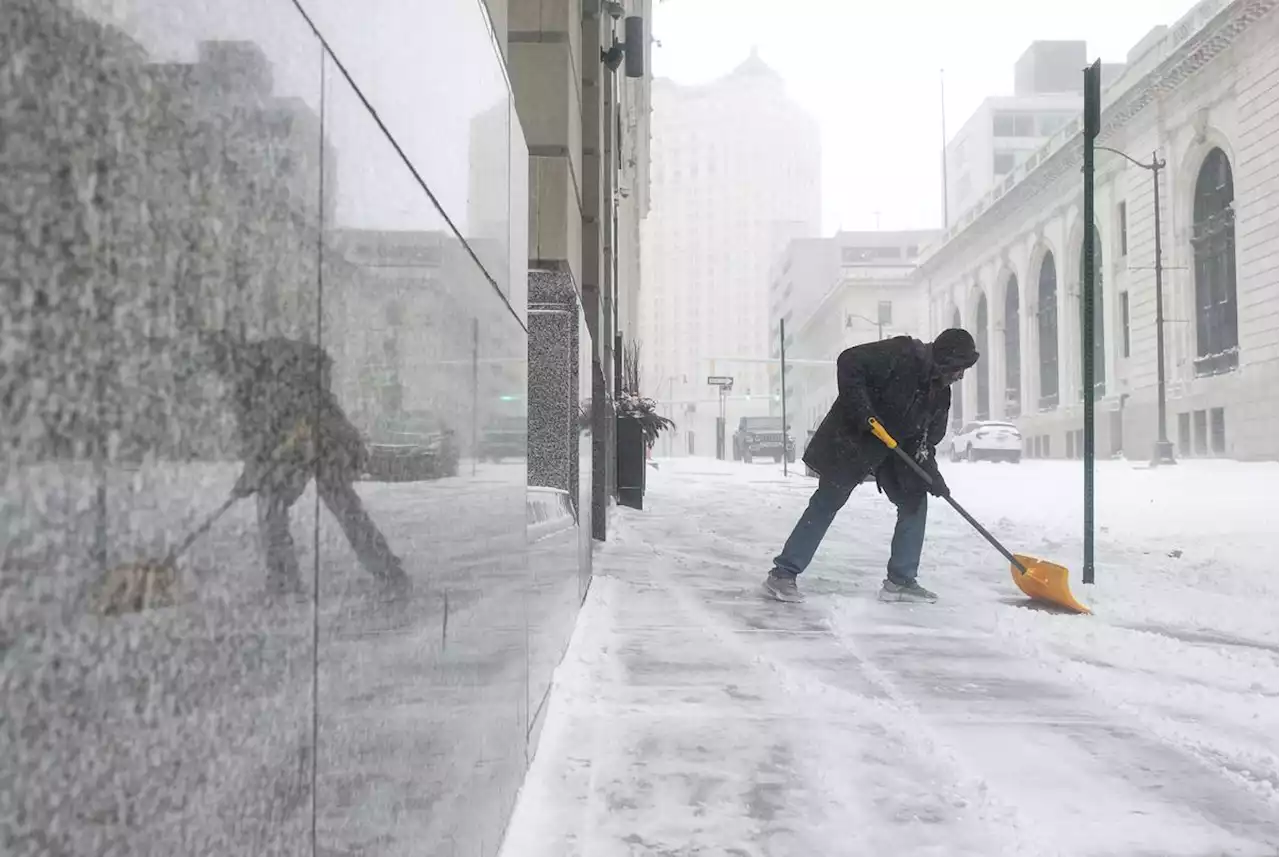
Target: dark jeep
{"x": 762, "y": 437}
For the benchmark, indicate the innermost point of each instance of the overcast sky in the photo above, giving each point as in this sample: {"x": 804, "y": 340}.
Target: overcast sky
{"x": 869, "y": 72}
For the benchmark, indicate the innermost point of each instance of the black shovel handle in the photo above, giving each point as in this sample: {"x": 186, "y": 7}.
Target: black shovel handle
{"x": 200, "y": 530}
{"x": 887, "y": 439}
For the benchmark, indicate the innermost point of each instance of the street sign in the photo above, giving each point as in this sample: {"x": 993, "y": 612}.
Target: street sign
{"x": 1093, "y": 100}
{"x": 720, "y": 381}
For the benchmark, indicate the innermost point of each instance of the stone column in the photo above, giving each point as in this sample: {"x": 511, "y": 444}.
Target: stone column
{"x": 553, "y": 382}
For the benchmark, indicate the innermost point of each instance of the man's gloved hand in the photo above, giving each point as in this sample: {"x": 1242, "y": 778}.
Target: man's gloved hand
{"x": 247, "y": 483}
{"x": 938, "y": 485}
{"x": 928, "y": 462}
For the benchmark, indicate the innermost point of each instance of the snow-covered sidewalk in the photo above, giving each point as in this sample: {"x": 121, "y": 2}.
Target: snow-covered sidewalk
{"x": 692, "y": 717}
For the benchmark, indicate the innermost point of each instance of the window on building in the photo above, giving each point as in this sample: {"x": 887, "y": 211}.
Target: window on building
{"x": 1047, "y": 325}
{"x": 1200, "y": 427}
{"x": 1047, "y": 126}
{"x": 1124, "y": 323}
{"x": 1122, "y": 220}
{"x": 1213, "y": 240}
{"x": 1012, "y": 350}
{"x": 957, "y": 391}
{"x": 1099, "y": 316}
{"x": 1002, "y": 163}
{"x": 1013, "y": 125}
{"x": 1217, "y": 431}
{"x": 983, "y": 377}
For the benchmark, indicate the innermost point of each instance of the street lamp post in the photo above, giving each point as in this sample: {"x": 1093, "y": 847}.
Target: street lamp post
{"x": 879, "y": 325}
{"x": 1163, "y": 453}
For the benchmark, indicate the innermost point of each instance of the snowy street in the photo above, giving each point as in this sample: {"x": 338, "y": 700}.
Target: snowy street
{"x": 693, "y": 717}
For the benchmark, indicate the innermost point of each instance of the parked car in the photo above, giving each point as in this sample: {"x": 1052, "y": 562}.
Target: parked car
{"x": 411, "y": 447}
{"x": 762, "y": 437}
{"x": 989, "y": 440}
{"x": 504, "y": 437}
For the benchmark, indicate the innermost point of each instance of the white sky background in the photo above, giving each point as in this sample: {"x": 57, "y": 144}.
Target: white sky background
{"x": 869, "y": 73}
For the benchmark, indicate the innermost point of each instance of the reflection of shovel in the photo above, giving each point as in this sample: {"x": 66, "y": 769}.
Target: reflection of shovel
{"x": 143, "y": 585}
{"x": 138, "y": 586}
{"x": 1038, "y": 579}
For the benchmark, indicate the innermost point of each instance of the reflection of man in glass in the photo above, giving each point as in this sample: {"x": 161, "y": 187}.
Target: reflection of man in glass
{"x": 288, "y": 420}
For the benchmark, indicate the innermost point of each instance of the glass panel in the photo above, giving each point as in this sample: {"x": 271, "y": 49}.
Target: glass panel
{"x": 165, "y": 168}
{"x": 423, "y": 577}
{"x": 405, "y": 57}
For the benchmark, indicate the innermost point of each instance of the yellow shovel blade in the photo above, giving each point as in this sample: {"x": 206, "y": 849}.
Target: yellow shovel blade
{"x": 1047, "y": 582}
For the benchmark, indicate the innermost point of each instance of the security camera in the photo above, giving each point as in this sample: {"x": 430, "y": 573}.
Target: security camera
{"x": 612, "y": 58}
{"x": 614, "y": 9}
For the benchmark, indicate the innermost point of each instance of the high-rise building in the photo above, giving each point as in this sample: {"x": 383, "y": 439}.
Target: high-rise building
{"x": 735, "y": 177}
{"x": 1006, "y": 130}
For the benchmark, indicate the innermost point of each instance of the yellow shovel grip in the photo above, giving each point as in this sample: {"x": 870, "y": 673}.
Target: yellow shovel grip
{"x": 878, "y": 431}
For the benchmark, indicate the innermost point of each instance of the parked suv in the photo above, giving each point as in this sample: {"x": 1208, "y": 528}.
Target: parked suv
{"x": 761, "y": 437}
{"x": 410, "y": 447}
{"x": 991, "y": 440}
{"x": 504, "y": 437}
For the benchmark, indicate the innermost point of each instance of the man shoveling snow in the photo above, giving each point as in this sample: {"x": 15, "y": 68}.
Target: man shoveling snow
{"x": 906, "y": 385}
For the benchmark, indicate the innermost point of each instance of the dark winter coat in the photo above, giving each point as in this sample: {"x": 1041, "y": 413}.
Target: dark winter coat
{"x": 892, "y": 380}
{"x": 285, "y": 411}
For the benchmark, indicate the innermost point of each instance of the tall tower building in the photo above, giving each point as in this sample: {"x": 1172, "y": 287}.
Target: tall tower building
{"x": 735, "y": 177}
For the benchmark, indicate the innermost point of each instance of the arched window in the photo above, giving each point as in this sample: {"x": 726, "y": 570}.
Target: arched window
{"x": 1099, "y": 348}
{"x": 984, "y": 383}
{"x": 957, "y": 390}
{"x": 1213, "y": 240}
{"x": 1012, "y": 350}
{"x": 1047, "y": 322}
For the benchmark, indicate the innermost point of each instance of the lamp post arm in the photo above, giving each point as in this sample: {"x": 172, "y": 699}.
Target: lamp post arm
{"x": 1153, "y": 166}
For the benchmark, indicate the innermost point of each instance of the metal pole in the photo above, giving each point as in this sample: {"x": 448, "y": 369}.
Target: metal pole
{"x": 721, "y": 452}
{"x": 782, "y": 341}
{"x": 1164, "y": 449}
{"x": 1092, "y": 109}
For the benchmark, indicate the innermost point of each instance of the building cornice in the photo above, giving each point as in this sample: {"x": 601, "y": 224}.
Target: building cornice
{"x": 1219, "y": 33}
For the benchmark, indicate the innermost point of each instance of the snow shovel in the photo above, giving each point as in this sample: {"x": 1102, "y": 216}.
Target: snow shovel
{"x": 1038, "y": 579}
{"x": 138, "y": 586}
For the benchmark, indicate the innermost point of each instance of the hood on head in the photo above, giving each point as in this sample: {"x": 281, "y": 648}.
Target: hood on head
{"x": 954, "y": 350}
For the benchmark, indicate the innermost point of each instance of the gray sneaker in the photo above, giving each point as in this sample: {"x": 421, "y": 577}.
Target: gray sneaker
{"x": 912, "y": 591}
{"x": 781, "y": 586}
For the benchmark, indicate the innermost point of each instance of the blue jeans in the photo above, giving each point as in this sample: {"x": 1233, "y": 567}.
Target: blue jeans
{"x": 908, "y": 534}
